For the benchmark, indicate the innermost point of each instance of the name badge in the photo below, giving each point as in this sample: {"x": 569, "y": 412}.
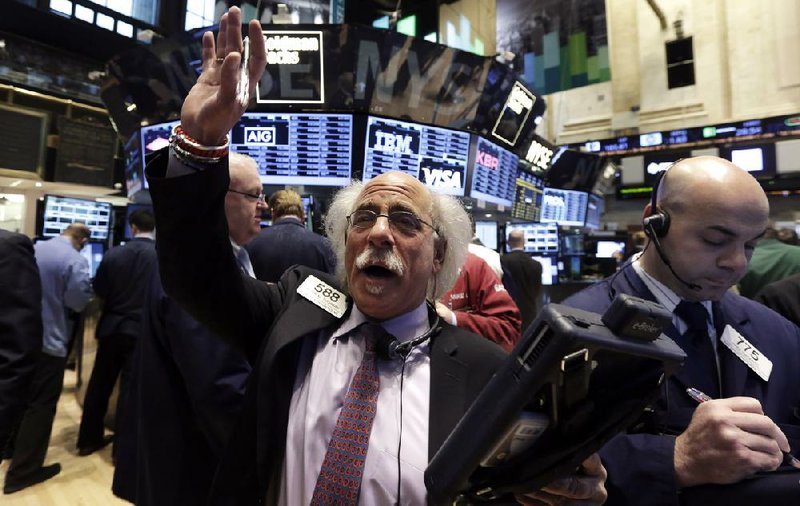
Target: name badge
{"x": 323, "y": 295}
{"x": 747, "y": 353}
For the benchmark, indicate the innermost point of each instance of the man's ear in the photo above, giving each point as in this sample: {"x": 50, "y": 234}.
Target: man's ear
{"x": 439, "y": 251}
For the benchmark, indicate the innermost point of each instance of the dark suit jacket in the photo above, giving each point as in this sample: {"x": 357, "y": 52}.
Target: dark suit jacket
{"x": 526, "y": 284}
{"x": 286, "y": 243}
{"x": 640, "y": 466}
{"x": 186, "y": 392}
{"x": 783, "y": 297}
{"x": 20, "y": 326}
{"x": 121, "y": 281}
{"x": 270, "y": 322}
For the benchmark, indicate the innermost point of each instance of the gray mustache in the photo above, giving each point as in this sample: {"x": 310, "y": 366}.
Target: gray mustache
{"x": 384, "y": 258}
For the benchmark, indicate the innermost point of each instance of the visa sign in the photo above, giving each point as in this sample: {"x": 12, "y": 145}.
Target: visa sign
{"x": 259, "y": 136}
{"x": 444, "y": 179}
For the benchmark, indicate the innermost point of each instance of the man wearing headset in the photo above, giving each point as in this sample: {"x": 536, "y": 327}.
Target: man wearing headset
{"x": 396, "y": 245}
{"x": 703, "y": 222}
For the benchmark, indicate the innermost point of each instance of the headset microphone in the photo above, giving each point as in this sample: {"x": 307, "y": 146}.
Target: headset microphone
{"x": 663, "y": 256}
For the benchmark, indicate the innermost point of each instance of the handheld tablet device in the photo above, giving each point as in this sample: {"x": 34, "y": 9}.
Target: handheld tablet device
{"x": 569, "y": 385}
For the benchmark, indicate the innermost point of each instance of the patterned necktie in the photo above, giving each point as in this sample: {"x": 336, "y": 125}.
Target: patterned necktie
{"x": 339, "y": 481}
{"x": 702, "y": 360}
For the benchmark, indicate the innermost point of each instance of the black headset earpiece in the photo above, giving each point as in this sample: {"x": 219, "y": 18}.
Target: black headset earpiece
{"x": 389, "y": 348}
{"x": 657, "y": 223}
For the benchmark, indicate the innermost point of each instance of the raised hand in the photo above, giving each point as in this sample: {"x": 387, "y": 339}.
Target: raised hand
{"x": 727, "y": 440}
{"x": 212, "y": 108}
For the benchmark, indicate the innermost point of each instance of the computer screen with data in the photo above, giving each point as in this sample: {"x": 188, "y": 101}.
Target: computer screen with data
{"x": 494, "y": 173}
{"x": 565, "y": 207}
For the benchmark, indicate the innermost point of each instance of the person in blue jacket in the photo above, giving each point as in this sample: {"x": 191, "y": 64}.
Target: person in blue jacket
{"x": 703, "y": 222}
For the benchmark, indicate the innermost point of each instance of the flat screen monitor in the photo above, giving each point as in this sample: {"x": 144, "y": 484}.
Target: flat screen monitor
{"x": 487, "y": 233}
{"x": 549, "y": 270}
{"x": 436, "y": 156}
{"x": 494, "y": 173}
{"x": 93, "y": 253}
{"x": 658, "y": 161}
{"x": 154, "y": 137}
{"x": 594, "y": 210}
{"x": 540, "y": 238}
{"x": 60, "y": 212}
{"x": 130, "y": 209}
{"x": 565, "y": 207}
{"x": 134, "y": 170}
{"x": 757, "y": 159}
{"x": 573, "y": 170}
{"x": 297, "y": 148}
{"x": 528, "y": 197}
{"x": 607, "y": 249}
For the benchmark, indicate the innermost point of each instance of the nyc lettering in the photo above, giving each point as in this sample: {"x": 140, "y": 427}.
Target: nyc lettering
{"x": 259, "y": 136}
{"x": 324, "y": 296}
{"x": 442, "y": 178}
{"x": 487, "y": 160}
{"x": 747, "y": 353}
{"x": 539, "y": 155}
{"x": 394, "y": 143}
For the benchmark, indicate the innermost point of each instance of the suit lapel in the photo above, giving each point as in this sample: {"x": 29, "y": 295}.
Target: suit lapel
{"x": 448, "y": 389}
{"x": 737, "y": 378}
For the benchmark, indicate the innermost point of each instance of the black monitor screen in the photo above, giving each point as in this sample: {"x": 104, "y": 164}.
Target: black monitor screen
{"x": 93, "y": 253}
{"x": 130, "y": 209}
{"x": 573, "y": 170}
{"x": 528, "y": 197}
{"x": 154, "y": 137}
{"x": 540, "y": 238}
{"x": 436, "y": 156}
{"x": 659, "y": 161}
{"x": 494, "y": 173}
{"x": 572, "y": 244}
{"x": 757, "y": 159}
{"x": 549, "y": 269}
{"x": 60, "y": 212}
{"x": 297, "y": 149}
{"x": 565, "y": 207}
{"x": 594, "y": 210}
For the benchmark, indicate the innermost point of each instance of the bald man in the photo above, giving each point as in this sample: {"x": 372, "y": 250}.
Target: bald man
{"x": 703, "y": 223}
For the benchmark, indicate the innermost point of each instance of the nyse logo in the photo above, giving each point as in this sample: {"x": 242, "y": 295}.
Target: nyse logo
{"x": 442, "y": 178}
{"x": 393, "y": 142}
{"x": 487, "y": 160}
{"x": 259, "y": 136}
{"x": 654, "y": 168}
{"x": 539, "y": 155}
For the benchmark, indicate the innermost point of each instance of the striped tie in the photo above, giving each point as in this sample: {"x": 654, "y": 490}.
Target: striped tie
{"x": 339, "y": 480}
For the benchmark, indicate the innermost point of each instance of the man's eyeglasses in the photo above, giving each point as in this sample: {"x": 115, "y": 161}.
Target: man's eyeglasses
{"x": 251, "y": 196}
{"x": 403, "y": 221}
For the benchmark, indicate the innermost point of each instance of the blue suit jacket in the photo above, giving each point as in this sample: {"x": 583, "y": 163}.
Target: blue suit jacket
{"x": 640, "y": 466}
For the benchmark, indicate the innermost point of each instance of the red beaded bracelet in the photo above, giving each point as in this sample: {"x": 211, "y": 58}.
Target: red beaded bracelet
{"x": 189, "y": 145}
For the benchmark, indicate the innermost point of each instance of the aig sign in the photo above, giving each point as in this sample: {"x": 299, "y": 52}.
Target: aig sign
{"x": 259, "y": 136}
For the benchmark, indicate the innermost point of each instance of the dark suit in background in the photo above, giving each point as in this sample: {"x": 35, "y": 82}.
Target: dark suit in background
{"x": 640, "y": 466}
{"x": 526, "y": 284}
{"x": 20, "y": 327}
{"x": 287, "y": 242}
{"x": 121, "y": 282}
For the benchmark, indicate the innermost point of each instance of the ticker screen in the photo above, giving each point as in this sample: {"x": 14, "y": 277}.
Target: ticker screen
{"x": 298, "y": 148}
{"x": 494, "y": 173}
{"x": 436, "y": 156}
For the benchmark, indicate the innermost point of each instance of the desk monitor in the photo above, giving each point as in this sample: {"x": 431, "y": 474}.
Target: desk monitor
{"x": 487, "y": 233}
{"x": 565, "y": 207}
{"x": 540, "y": 238}
{"x": 569, "y": 385}
{"x": 606, "y": 249}
{"x": 93, "y": 252}
{"x": 61, "y": 212}
{"x": 549, "y": 270}
{"x": 757, "y": 159}
{"x": 594, "y": 211}
{"x": 494, "y": 173}
{"x": 297, "y": 148}
{"x": 436, "y": 156}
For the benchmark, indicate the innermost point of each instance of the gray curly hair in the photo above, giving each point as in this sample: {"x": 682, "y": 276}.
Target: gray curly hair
{"x": 449, "y": 219}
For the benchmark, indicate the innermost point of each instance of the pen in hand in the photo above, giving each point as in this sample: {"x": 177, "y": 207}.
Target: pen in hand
{"x": 700, "y": 397}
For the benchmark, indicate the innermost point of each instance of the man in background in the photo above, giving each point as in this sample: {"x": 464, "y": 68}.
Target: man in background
{"x": 287, "y": 242}
{"x": 121, "y": 283}
{"x": 772, "y": 260}
{"x": 66, "y": 286}
{"x": 188, "y": 385}
{"x": 20, "y": 327}
{"x": 525, "y": 285}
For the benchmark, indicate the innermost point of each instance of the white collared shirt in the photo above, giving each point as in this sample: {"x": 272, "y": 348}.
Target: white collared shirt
{"x": 326, "y": 367}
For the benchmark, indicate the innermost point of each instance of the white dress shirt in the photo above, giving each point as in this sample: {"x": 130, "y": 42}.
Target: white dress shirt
{"x": 326, "y": 367}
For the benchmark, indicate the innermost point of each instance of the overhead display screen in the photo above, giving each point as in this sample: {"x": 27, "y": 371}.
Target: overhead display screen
{"x": 565, "y": 207}
{"x": 494, "y": 173}
{"x": 528, "y": 197}
{"x": 61, "y": 212}
{"x": 155, "y": 137}
{"x": 436, "y": 156}
{"x": 297, "y": 149}
{"x": 540, "y": 238}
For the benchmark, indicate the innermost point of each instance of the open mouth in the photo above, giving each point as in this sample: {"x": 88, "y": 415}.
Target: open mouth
{"x": 378, "y": 271}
